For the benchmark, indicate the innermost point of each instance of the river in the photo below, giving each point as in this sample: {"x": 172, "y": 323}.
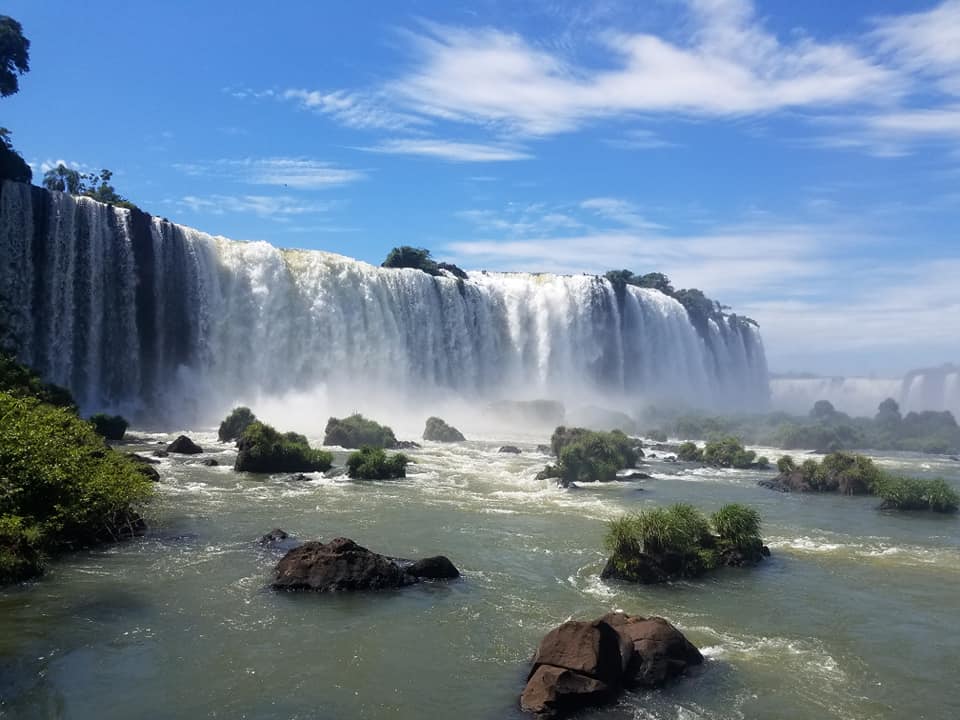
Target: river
{"x": 853, "y": 616}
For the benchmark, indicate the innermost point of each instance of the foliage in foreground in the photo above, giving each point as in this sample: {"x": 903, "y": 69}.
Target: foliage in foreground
{"x": 370, "y": 463}
{"x": 60, "y": 486}
{"x": 680, "y": 541}
{"x": 265, "y": 450}
{"x": 22, "y": 382}
{"x": 356, "y": 431}
{"x": 233, "y": 425}
{"x": 590, "y": 455}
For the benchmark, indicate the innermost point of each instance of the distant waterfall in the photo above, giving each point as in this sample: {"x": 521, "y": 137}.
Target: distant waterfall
{"x": 134, "y": 312}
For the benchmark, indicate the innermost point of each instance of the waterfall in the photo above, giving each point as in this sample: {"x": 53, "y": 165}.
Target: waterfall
{"x": 135, "y": 313}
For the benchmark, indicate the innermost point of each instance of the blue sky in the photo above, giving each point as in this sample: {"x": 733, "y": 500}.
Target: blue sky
{"x": 797, "y": 161}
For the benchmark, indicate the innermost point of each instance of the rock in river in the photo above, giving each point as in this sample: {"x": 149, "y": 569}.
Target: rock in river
{"x": 582, "y": 664}
{"x": 184, "y": 446}
{"x": 342, "y": 565}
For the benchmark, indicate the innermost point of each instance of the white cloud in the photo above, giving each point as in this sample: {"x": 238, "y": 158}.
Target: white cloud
{"x": 449, "y": 150}
{"x": 277, "y": 207}
{"x": 299, "y": 173}
{"x": 354, "y": 109}
{"x": 926, "y": 42}
{"x": 639, "y": 139}
{"x": 620, "y": 211}
{"x": 729, "y": 65}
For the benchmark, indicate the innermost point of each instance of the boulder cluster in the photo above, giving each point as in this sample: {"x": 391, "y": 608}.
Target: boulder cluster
{"x": 582, "y": 663}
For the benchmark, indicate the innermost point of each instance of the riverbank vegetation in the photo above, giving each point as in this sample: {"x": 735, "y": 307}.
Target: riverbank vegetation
{"x": 233, "y": 425}
{"x": 658, "y": 544}
{"x": 825, "y": 429}
{"x": 61, "y": 486}
{"x": 853, "y": 474}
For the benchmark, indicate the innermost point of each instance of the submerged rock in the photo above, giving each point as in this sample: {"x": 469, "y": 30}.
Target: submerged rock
{"x": 512, "y": 449}
{"x": 438, "y": 567}
{"x": 210, "y": 462}
{"x": 274, "y": 536}
{"x": 342, "y": 566}
{"x": 583, "y": 664}
{"x": 184, "y": 446}
{"x": 160, "y": 453}
{"x": 437, "y": 430}
{"x": 407, "y": 445}
{"x": 634, "y": 475}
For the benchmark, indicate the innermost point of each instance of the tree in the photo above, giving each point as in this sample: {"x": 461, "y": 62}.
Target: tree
{"x": 411, "y": 257}
{"x": 12, "y": 165}
{"x": 14, "y": 55}
{"x": 657, "y": 281}
{"x": 92, "y": 185}
{"x": 823, "y": 410}
{"x": 64, "y": 179}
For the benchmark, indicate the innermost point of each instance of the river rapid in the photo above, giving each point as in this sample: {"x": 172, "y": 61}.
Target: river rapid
{"x": 854, "y": 615}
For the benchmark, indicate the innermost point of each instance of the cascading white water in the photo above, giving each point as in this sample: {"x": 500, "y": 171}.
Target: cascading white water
{"x": 133, "y": 312}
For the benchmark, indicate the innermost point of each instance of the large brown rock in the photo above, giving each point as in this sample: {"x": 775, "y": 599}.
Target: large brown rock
{"x": 580, "y": 664}
{"x": 342, "y": 565}
{"x": 660, "y": 651}
{"x": 593, "y": 649}
{"x": 554, "y": 691}
{"x": 336, "y": 566}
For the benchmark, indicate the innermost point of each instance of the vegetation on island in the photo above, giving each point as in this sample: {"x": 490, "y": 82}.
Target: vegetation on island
{"x": 437, "y": 430}
{"x": 92, "y": 185}
{"x": 61, "y": 486}
{"x": 722, "y": 452}
{"x": 111, "y": 427}
{"x": 657, "y": 544}
{"x": 853, "y": 474}
{"x": 826, "y": 430}
{"x": 700, "y": 309}
{"x": 406, "y": 256}
{"x": 233, "y": 425}
{"x": 372, "y": 463}
{"x": 265, "y": 450}
{"x": 356, "y": 431}
{"x": 589, "y": 455}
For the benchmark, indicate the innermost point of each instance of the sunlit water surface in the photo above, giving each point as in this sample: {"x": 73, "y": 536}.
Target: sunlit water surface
{"x": 854, "y": 616}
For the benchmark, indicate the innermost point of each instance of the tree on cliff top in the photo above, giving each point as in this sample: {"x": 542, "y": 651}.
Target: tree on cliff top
{"x": 14, "y": 55}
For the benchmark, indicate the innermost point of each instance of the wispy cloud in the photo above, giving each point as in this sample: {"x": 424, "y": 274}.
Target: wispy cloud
{"x": 621, "y": 211}
{"x": 639, "y": 139}
{"x": 299, "y": 173}
{"x": 449, "y": 150}
{"x": 354, "y": 109}
{"x": 280, "y": 207}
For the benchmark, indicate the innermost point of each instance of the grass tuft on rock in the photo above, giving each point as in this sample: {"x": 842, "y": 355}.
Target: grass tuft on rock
{"x": 356, "y": 431}
{"x": 265, "y": 450}
{"x": 370, "y": 463}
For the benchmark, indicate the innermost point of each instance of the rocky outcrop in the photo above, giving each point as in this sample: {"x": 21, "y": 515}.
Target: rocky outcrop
{"x": 274, "y": 536}
{"x": 145, "y": 466}
{"x": 343, "y": 566}
{"x": 792, "y": 481}
{"x": 437, "y": 430}
{"x": 184, "y": 446}
{"x": 582, "y": 664}
{"x": 511, "y": 449}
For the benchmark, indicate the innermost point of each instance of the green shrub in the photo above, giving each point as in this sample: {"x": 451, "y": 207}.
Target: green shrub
{"x": 357, "y": 431}
{"x": 689, "y": 452}
{"x": 739, "y": 526}
{"x": 264, "y": 450}
{"x": 656, "y": 436}
{"x": 370, "y": 463}
{"x": 235, "y": 423}
{"x": 112, "y": 427}
{"x": 913, "y": 494}
{"x": 728, "y": 452}
{"x": 588, "y": 455}
{"x": 60, "y": 485}
{"x": 763, "y": 462}
{"x": 786, "y": 464}
{"x": 848, "y": 474}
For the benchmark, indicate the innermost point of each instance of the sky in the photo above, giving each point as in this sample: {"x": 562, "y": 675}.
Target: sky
{"x": 797, "y": 161}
